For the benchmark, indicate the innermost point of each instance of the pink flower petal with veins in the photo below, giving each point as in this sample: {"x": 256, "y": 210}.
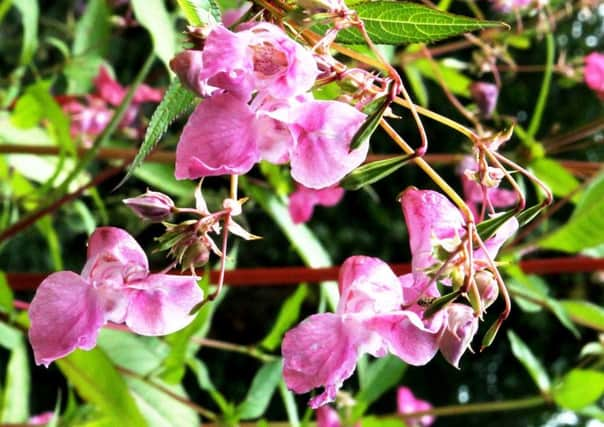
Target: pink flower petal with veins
{"x": 65, "y": 314}
{"x": 323, "y": 131}
{"x": 116, "y": 245}
{"x": 220, "y": 138}
{"x": 161, "y": 304}
{"x": 462, "y": 325}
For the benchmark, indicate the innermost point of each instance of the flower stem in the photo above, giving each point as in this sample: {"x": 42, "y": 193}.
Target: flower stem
{"x": 235, "y": 348}
{"x": 544, "y": 91}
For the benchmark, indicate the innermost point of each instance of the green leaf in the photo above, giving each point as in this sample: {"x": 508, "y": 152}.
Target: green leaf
{"x": 288, "y": 315}
{"x": 98, "y": 382}
{"x": 15, "y": 405}
{"x": 80, "y": 72}
{"x": 556, "y": 177}
{"x": 200, "y": 12}
{"x": 456, "y": 82}
{"x": 377, "y": 110}
{"x": 289, "y": 402}
{"x": 585, "y": 313}
{"x": 30, "y": 13}
{"x": 9, "y": 337}
{"x": 160, "y": 409}
{"x": 261, "y": 391}
{"x": 142, "y": 355}
{"x": 417, "y": 84}
{"x": 390, "y": 22}
{"x": 488, "y": 227}
{"x": 6, "y": 294}
{"x": 153, "y": 15}
{"x": 92, "y": 30}
{"x": 46, "y": 228}
{"x": 176, "y": 101}
{"x": 380, "y": 376}
{"x": 373, "y": 172}
{"x": 160, "y": 177}
{"x": 592, "y": 196}
{"x": 534, "y": 367}
{"x": 374, "y": 421}
{"x": 579, "y": 388}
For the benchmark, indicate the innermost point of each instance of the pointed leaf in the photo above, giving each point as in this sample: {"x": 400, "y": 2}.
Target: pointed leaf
{"x": 390, "y": 22}
{"x": 364, "y": 133}
{"x": 534, "y": 367}
{"x": 261, "y": 391}
{"x": 373, "y": 172}
{"x": 489, "y": 226}
{"x": 30, "y": 12}
{"x": 153, "y": 15}
{"x": 556, "y": 177}
{"x": 15, "y": 405}
{"x": 288, "y": 315}
{"x": 585, "y": 313}
{"x": 176, "y": 101}
{"x": 200, "y": 12}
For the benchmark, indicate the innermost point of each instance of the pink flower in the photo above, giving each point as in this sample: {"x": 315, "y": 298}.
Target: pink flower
{"x": 327, "y": 417}
{"x": 594, "y": 73}
{"x": 462, "y": 325}
{"x": 303, "y": 201}
{"x": 485, "y": 96}
{"x": 225, "y": 136}
{"x": 115, "y": 285}
{"x": 324, "y": 348}
{"x": 473, "y": 190}
{"x": 41, "y": 419}
{"x": 407, "y": 403}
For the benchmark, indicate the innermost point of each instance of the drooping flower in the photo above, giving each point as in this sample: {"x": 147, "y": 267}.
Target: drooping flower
{"x": 476, "y": 194}
{"x": 115, "y": 285}
{"x": 407, "y": 403}
{"x": 302, "y": 202}
{"x": 594, "y": 73}
{"x": 324, "y": 348}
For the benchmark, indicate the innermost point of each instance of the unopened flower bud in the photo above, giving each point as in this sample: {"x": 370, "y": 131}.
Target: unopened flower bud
{"x": 461, "y": 328}
{"x": 196, "y": 255}
{"x": 151, "y": 205}
{"x": 487, "y": 287}
{"x": 232, "y": 205}
{"x": 485, "y": 95}
{"x": 188, "y": 65}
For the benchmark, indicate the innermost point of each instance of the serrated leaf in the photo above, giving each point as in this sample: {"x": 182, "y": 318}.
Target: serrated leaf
{"x": 176, "y": 101}
{"x": 153, "y": 15}
{"x": 373, "y": 172}
{"x": 585, "y": 313}
{"x": 390, "y": 22}
{"x": 288, "y": 315}
{"x": 380, "y": 376}
{"x": 15, "y": 405}
{"x": 30, "y": 13}
{"x": 200, "y": 12}
{"x": 579, "y": 388}
{"x": 533, "y": 366}
{"x": 97, "y": 381}
{"x": 260, "y": 392}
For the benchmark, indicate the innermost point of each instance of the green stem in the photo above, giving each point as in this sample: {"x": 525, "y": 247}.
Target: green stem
{"x": 236, "y": 348}
{"x": 544, "y": 91}
{"x": 111, "y": 127}
{"x": 473, "y": 408}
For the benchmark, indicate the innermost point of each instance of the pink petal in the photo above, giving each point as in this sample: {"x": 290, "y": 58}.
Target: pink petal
{"x": 219, "y": 139}
{"x": 65, "y": 314}
{"x": 161, "y": 304}
{"x": 405, "y": 335}
{"x": 327, "y": 417}
{"x": 108, "y": 88}
{"x": 407, "y": 403}
{"x": 461, "y": 328}
{"x": 330, "y": 196}
{"x": 227, "y": 62}
{"x": 323, "y": 131}
{"x": 319, "y": 352}
{"x": 112, "y": 244}
{"x": 504, "y": 232}
{"x": 303, "y": 201}
{"x": 594, "y": 72}
{"x": 145, "y": 93}
{"x": 231, "y": 16}
{"x": 429, "y": 215}
{"x": 368, "y": 285}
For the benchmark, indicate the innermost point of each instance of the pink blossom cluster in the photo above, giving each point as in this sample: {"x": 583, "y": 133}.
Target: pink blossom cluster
{"x": 594, "y": 73}
{"x": 90, "y": 116}
{"x": 380, "y": 313}
{"x": 258, "y": 106}
{"x": 115, "y": 285}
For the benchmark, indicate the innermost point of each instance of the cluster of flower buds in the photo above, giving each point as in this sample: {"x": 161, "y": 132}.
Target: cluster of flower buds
{"x": 380, "y": 313}
{"x": 257, "y": 105}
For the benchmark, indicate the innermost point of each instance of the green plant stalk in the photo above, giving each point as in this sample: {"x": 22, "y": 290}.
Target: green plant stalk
{"x": 111, "y": 127}
{"x": 550, "y": 53}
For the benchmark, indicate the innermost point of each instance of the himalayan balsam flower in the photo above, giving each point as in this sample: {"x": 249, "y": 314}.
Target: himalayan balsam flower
{"x": 302, "y": 202}
{"x": 228, "y": 135}
{"x": 323, "y": 349}
{"x": 115, "y": 285}
{"x": 407, "y": 403}
{"x": 485, "y": 96}
{"x": 152, "y": 205}
{"x": 594, "y": 73}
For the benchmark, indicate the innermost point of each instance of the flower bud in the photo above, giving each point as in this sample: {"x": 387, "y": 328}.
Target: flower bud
{"x": 485, "y": 95}
{"x": 196, "y": 255}
{"x": 487, "y": 288}
{"x": 461, "y": 328}
{"x": 188, "y": 65}
{"x": 151, "y": 205}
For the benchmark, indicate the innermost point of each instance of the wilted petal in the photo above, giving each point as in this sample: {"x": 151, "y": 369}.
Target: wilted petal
{"x": 65, "y": 314}
{"x": 219, "y": 139}
{"x": 113, "y": 245}
{"x": 368, "y": 285}
{"x": 319, "y": 352}
{"x": 161, "y": 304}
{"x": 323, "y": 132}
{"x": 461, "y": 328}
